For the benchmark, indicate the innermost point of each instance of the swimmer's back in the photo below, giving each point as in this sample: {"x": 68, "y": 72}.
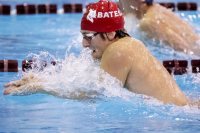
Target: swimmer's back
{"x": 140, "y": 72}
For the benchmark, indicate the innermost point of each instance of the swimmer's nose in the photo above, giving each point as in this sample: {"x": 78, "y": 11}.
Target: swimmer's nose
{"x": 85, "y": 43}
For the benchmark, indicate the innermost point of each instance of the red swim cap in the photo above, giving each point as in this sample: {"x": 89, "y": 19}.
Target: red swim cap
{"x": 103, "y": 16}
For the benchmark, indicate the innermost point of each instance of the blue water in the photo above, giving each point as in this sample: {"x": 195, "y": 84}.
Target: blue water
{"x": 60, "y": 35}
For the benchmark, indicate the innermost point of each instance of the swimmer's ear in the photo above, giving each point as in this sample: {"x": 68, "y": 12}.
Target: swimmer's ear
{"x": 111, "y": 35}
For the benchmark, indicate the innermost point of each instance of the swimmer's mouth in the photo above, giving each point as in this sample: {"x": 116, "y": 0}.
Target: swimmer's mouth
{"x": 93, "y": 50}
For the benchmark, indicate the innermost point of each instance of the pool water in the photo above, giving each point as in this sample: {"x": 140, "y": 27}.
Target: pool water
{"x": 58, "y": 37}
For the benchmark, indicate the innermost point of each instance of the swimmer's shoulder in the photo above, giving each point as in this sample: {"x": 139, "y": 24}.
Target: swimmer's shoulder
{"x": 120, "y": 48}
{"x": 124, "y": 46}
{"x": 118, "y": 56}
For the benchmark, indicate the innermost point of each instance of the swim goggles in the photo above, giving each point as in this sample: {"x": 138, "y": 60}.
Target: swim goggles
{"x": 89, "y": 36}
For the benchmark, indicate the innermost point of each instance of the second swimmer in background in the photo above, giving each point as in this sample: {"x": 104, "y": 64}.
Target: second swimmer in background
{"x": 162, "y": 24}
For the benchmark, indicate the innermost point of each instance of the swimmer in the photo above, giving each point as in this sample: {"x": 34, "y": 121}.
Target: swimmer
{"x": 162, "y": 24}
{"x": 120, "y": 55}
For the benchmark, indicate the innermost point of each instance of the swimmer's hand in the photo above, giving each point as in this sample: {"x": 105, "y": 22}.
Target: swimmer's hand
{"x": 28, "y": 84}
{"x": 31, "y": 84}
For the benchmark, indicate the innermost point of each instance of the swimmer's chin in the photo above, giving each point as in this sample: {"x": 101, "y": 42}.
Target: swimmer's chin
{"x": 95, "y": 56}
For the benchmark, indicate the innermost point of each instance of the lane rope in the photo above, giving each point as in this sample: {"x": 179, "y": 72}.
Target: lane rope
{"x": 176, "y": 67}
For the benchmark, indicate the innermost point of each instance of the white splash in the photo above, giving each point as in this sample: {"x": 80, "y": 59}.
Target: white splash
{"x": 77, "y": 77}
{"x": 131, "y": 23}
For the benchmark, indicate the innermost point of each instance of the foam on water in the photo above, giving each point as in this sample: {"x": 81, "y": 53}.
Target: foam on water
{"x": 75, "y": 76}
{"x": 131, "y": 23}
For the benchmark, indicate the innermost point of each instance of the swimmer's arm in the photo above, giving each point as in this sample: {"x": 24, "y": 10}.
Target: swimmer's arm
{"x": 31, "y": 84}
{"x": 28, "y": 84}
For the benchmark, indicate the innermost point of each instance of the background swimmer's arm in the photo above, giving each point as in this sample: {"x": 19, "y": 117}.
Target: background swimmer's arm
{"x": 163, "y": 24}
{"x": 164, "y": 33}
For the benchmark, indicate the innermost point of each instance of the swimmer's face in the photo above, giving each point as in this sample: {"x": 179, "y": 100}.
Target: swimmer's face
{"x": 93, "y": 41}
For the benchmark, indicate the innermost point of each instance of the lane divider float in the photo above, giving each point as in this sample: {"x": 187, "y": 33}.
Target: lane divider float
{"x": 73, "y": 8}
{"x": 195, "y": 66}
{"x": 181, "y": 6}
{"x": 34, "y": 9}
{"x": 176, "y": 67}
{"x": 187, "y": 6}
{"x": 47, "y": 9}
{"x": 5, "y": 9}
{"x": 25, "y": 9}
{"x": 169, "y": 5}
{"x": 8, "y": 66}
{"x": 30, "y": 64}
